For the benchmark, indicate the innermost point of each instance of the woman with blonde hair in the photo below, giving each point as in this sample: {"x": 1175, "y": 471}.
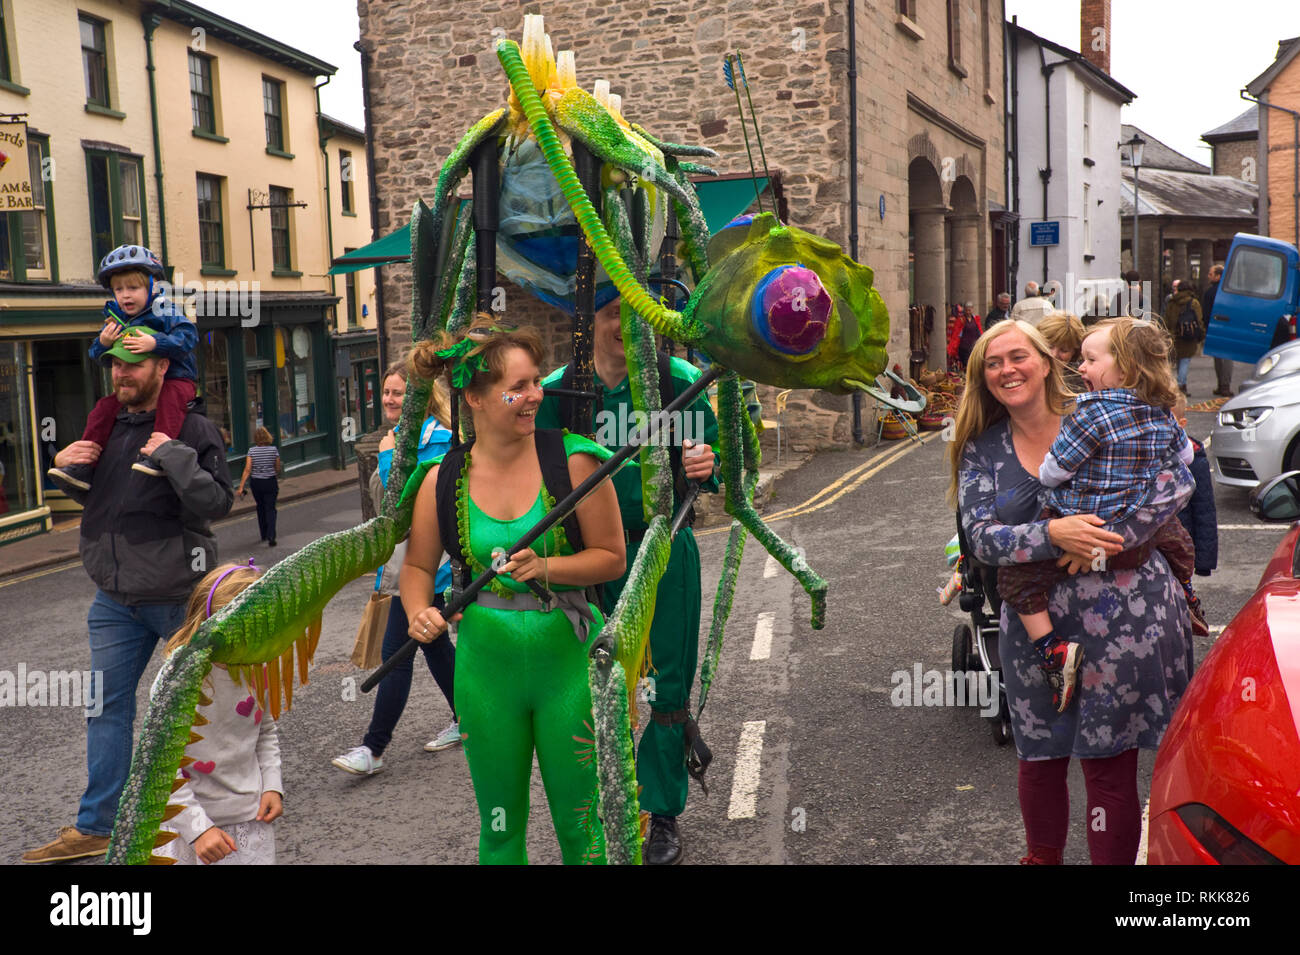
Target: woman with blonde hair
{"x": 260, "y": 469}
{"x": 521, "y": 672}
{"x": 1134, "y": 625}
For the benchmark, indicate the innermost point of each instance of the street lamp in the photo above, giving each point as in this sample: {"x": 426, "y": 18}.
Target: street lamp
{"x": 1133, "y": 153}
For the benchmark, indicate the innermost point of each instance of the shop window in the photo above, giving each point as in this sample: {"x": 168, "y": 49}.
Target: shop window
{"x": 212, "y": 241}
{"x": 345, "y": 181}
{"x": 202, "y": 102}
{"x": 215, "y": 360}
{"x": 26, "y": 237}
{"x": 295, "y": 381}
{"x": 116, "y": 185}
{"x": 94, "y": 60}
{"x": 273, "y": 109}
{"x": 281, "y": 252}
{"x": 17, "y": 469}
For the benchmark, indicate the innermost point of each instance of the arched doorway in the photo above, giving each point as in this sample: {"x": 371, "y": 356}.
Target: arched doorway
{"x": 928, "y": 247}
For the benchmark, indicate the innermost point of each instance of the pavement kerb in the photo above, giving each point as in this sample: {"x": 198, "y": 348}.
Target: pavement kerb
{"x": 61, "y": 545}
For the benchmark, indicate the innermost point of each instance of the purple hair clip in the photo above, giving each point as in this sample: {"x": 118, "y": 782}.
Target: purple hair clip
{"x": 224, "y": 575}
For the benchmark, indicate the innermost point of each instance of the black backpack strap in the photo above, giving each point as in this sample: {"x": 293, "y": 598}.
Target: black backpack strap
{"x": 445, "y": 497}
{"x": 555, "y": 475}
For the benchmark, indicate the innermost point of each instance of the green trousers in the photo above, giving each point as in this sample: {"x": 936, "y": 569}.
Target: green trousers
{"x": 674, "y": 655}
{"x": 521, "y": 686}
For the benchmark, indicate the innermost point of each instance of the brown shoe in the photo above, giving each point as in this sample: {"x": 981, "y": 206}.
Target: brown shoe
{"x": 71, "y": 844}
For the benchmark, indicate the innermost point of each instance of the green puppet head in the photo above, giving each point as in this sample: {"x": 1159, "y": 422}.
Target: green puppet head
{"x": 787, "y": 308}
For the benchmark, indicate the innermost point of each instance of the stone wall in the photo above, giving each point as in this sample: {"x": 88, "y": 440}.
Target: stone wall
{"x": 1230, "y": 159}
{"x": 434, "y": 75}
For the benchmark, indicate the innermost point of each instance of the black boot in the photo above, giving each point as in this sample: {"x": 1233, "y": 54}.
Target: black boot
{"x": 664, "y": 846}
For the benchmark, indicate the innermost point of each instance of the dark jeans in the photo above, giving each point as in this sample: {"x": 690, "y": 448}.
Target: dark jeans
{"x": 265, "y": 491}
{"x": 391, "y": 694}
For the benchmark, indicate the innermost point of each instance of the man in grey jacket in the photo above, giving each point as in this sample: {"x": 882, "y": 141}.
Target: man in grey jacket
{"x": 145, "y": 543}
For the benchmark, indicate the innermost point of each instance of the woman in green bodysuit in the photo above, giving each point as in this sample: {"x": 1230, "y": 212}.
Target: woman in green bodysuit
{"x": 521, "y": 674}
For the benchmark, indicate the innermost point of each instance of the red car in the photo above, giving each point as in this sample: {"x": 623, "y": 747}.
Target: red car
{"x": 1226, "y": 787}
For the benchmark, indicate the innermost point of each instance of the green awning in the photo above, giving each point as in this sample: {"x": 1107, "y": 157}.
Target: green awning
{"x": 721, "y": 200}
{"x": 394, "y": 247}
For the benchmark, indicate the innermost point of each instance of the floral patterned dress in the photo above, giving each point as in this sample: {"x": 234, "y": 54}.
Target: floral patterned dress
{"x": 1133, "y": 625}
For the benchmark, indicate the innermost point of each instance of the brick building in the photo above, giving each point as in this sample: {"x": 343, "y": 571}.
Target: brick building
{"x": 1234, "y": 146}
{"x": 929, "y": 127}
{"x": 1277, "y": 89}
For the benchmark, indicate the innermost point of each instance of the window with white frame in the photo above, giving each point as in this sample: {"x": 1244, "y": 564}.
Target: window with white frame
{"x": 1087, "y": 123}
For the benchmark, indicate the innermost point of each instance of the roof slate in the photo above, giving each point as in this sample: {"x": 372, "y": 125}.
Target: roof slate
{"x": 1156, "y": 155}
{"x": 1167, "y": 192}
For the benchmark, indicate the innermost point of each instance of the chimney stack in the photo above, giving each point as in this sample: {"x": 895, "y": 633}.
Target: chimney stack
{"x": 1094, "y": 33}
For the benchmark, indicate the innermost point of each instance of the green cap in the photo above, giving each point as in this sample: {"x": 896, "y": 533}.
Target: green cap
{"x": 119, "y": 350}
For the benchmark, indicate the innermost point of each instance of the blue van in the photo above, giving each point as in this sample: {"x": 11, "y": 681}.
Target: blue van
{"x": 1257, "y": 301}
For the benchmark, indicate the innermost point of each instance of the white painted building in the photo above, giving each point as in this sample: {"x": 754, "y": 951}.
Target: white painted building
{"x": 1063, "y": 165}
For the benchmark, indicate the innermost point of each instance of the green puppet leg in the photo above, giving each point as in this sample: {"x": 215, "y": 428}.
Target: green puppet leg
{"x": 740, "y": 504}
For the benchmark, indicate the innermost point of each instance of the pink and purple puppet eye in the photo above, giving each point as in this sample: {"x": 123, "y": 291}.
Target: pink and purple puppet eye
{"x": 790, "y": 309}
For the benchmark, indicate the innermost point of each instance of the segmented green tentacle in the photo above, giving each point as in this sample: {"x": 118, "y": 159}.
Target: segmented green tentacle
{"x": 739, "y": 442}
{"x": 663, "y": 320}
{"x": 672, "y": 149}
{"x": 615, "y": 764}
{"x": 694, "y": 229}
{"x": 722, "y": 601}
{"x": 161, "y": 746}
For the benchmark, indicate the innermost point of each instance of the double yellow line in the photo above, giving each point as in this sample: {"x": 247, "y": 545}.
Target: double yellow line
{"x": 845, "y": 483}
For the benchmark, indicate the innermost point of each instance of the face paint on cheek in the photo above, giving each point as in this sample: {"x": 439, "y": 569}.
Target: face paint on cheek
{"x": 509, "y": 397}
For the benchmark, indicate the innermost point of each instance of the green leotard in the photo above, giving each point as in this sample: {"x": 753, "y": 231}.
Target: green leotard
{"x": 521, "y": 684}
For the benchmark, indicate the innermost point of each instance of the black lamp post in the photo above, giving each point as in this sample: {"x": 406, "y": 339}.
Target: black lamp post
{"x": 1131, "y": 150}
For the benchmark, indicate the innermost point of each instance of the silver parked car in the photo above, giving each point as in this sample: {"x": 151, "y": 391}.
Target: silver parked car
{"x": 1278, "y": 363}
{"x": 1258, "y": 432}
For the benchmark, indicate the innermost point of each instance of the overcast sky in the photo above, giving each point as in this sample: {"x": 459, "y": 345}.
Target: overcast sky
{"x": 1185, "y": 59}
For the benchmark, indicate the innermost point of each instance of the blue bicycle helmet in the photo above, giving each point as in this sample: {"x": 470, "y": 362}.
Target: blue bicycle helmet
{"x": 125, "y": 257}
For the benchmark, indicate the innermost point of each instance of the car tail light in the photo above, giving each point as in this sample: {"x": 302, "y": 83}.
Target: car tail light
{"x": 1220, "y": 839}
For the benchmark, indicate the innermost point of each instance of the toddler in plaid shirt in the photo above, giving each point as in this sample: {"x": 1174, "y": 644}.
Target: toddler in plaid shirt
{"x": 1107, "y": 461}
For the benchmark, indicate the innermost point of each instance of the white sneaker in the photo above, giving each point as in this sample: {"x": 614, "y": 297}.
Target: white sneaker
{"x": 359, "y": 761}
{"x": 446, "y": 739}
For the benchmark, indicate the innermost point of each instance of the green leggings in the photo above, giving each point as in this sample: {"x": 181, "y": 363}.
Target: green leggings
{"x": 521, "y": 683}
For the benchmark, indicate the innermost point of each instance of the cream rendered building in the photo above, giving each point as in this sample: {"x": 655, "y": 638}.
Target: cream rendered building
{"x": 158, "y": 122}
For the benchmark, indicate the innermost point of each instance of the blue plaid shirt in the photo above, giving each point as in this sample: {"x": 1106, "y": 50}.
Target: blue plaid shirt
{"x": 1110, "y": 451}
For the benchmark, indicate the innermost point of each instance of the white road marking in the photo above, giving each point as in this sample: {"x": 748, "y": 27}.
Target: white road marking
{"x": 744, "y": 784}
{"x": 771, "y": 568}
{"x": 762, "y": 648}
{"x": 1254, "y": 527}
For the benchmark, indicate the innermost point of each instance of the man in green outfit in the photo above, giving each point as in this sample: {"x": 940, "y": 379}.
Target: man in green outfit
{"x": 675, "y": 631}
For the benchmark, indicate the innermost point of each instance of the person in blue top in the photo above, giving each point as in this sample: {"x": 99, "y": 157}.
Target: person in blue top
{"x": 390, "y": 697}
{"x": 138, "y": 322}
{"x": 675, "y": 631}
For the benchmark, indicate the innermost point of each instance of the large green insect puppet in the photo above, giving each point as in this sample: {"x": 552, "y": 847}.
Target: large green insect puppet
{"x": 771, "y": 303}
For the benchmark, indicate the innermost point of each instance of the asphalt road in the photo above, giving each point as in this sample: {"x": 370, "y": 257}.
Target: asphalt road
{"x": 812, "y": 762}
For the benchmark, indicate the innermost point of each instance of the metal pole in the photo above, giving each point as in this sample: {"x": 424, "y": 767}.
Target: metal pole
{"x": 1137, "y": 173}
{"x": 1295, "y": 195}
{"x": 587, "y": 168}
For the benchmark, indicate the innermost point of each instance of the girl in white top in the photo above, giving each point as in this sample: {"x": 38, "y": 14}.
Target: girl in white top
{"x": 232, "y": 790}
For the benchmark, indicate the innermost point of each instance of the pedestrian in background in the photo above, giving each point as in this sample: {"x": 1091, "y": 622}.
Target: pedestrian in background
{"x": 1000, "y": 311}
{"x": 1032, "y": 308}
{"x": 1064, "y": 334}
{"x": 1222, "y": 366}
{"x": 260, "y": 470}
{"x": 1186, "y": 327}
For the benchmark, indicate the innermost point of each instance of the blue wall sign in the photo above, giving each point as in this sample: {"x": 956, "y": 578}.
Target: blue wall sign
{"x": 1045, "y": 233}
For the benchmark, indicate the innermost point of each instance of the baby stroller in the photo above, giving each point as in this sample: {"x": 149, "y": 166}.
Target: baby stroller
{"x": 975, "y": 644}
